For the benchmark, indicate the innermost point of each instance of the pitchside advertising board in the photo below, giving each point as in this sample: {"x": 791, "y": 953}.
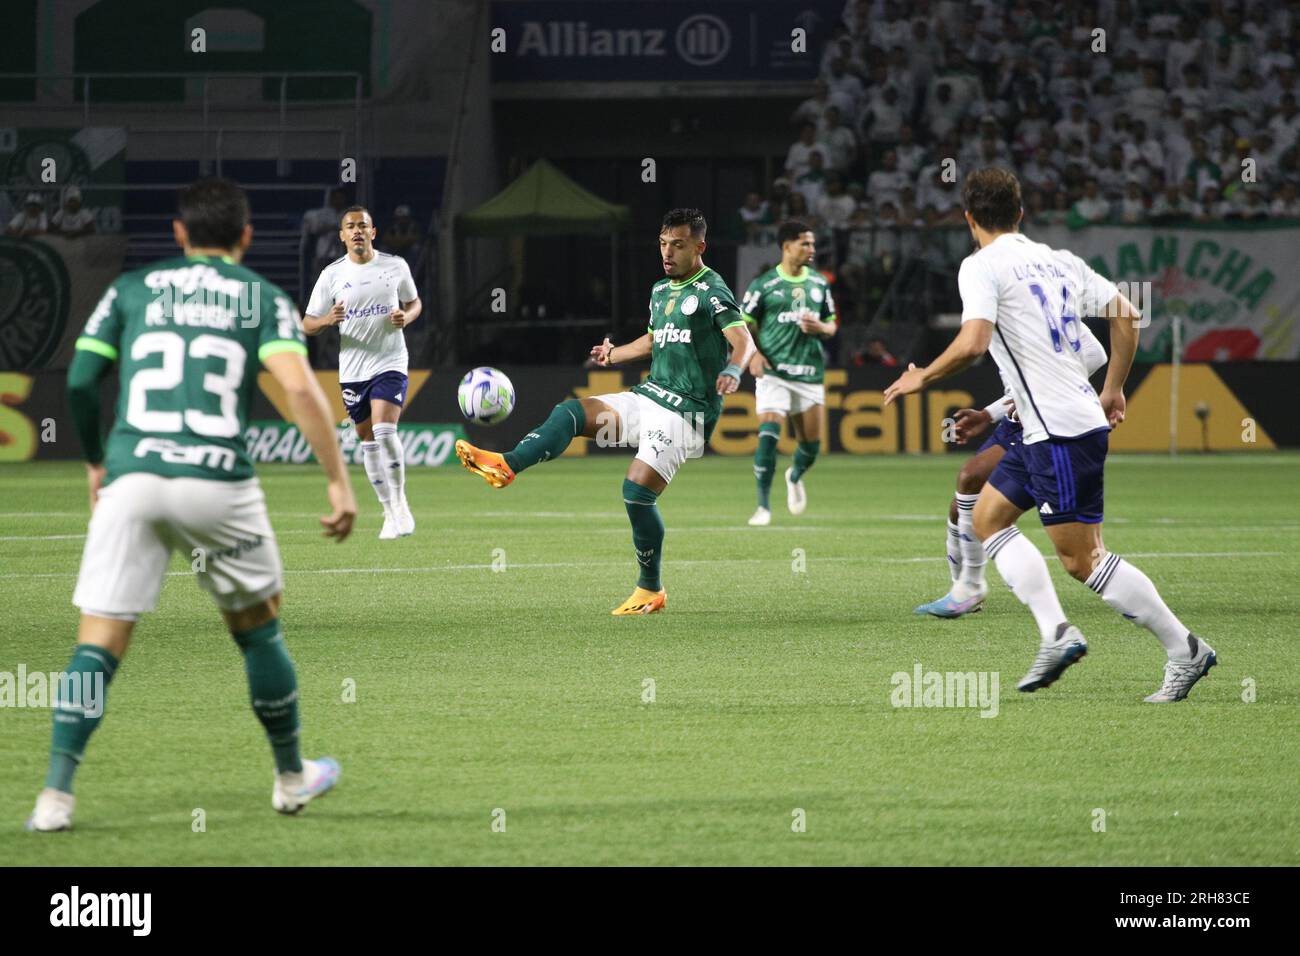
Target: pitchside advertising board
{"x": 569, "y": 41}
{"x": 1223, "y": 407}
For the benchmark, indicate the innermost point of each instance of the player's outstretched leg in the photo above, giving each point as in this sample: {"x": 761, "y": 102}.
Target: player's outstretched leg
{"x": 648, "y": 540}
{"x": 273, "y": 687}
{"x": 1131, "y": 593}
{"x": 78, "y": 709}
{"x": 548, "y": 440}
{"x": 805, "y": 456}
{"x": 769, "y": 433}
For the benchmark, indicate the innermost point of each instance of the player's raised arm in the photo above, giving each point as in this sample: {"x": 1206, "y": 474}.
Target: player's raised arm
{"x": 1124, "y": 319}
{"x": 312, "y": 415}
{"x": 971, "y": 342}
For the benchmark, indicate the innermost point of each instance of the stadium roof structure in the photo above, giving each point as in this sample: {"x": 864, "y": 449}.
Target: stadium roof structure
{"x": 543, "y": 202}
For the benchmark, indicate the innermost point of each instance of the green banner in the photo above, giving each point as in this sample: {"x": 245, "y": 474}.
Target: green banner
{"x": 278, "y": 441}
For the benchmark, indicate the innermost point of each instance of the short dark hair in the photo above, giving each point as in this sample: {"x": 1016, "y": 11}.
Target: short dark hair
{"x": 214, "y": 211}
{"x": 992, "y": 197}
{"x": 344, "y": 214}
{"x": 685, "y": 217}
{"x": 791, "y": 229}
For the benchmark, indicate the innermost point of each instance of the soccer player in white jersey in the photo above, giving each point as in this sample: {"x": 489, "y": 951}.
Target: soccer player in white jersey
{"x": 965, "y": 552}
{"x": 1022, "y": 300}
{"x": 371, "y": 297}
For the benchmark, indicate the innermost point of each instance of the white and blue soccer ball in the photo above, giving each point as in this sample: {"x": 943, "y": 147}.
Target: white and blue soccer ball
{"x": 486, "y": 396}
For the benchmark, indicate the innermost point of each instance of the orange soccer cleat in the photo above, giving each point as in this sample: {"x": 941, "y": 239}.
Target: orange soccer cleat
{"x": 490, "y": 465}
{"x": 643, "y": 601}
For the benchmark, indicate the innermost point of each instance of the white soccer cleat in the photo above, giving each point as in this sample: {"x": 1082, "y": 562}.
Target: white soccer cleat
{"x": 405, "y": 520}
{"x": 761, "y": 518}
{"x": 795, "y": 497}
{"x": 293, "y": 791}
{"x": 53, "y": 811}
{"x": 389, "y": 531}
{"x": 1181, "y": 675}
{"x": 1054, "y": 657}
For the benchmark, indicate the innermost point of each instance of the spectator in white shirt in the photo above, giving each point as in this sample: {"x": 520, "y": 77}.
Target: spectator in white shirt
{"x": 1092, "y": 206}
{"x": 911, "y": 155}
{"x": 835, "y": 207}
{"x": 944, "y": 112}
{"x": 1286, "y": 205}
{"x": 1075, "y": 126}
{"x": 1186, "y": 48}
{"x": 887, "y": 182}
{"x": 812, "y": 184}
{"x": 30, "y": 220}
{"x": 1147, "y": 102}
{"x": 1285, "y": 126}
{"x": 1193, "y": 91}
{"x": 844, "y": 89}
{"x": 1133, "y": 207}
{"x": 72, "y": 220}
{"x": 1141, "y": 145}
{"x": 798, "y": 158}
{"x": 883, "y": 118}
{"x": 841, "y": 145}
{"x": 813, "y": 109}
{"x": 1212, "y": 206}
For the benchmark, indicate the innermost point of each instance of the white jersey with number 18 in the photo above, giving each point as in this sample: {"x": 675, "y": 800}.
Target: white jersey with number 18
{"x": 1035, "y": 296}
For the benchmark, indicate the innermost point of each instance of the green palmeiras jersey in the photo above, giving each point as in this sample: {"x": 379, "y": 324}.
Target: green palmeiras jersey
{"x": 190, "y": 333}
{"x": 773, "y": 302}
{"x": 689, "y": 350}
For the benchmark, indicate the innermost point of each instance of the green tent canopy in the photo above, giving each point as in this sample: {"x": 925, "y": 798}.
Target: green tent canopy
{"x": 543, "y": 202}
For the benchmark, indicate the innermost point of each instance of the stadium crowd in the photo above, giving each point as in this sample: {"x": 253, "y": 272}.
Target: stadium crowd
{"x": 1118, "y": 112}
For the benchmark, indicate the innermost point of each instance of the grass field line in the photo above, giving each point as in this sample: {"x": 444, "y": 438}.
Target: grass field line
{"x": 544, "y": 565}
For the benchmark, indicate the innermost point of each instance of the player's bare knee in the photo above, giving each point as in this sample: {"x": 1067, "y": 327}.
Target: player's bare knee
{"x": 1077, "y": 564}
{"x": 970, "y": 480}
{"x": 256, "y": 615}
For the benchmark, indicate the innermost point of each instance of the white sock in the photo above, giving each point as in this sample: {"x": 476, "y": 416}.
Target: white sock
{"x": 954, "y": 552}
{"x": 1025, "y": 572}
{"x": 394, "y": 459}
{"x": 373, "y": 460}
{"x": 972, "y": 552}
{"x": 1131, "y": 592}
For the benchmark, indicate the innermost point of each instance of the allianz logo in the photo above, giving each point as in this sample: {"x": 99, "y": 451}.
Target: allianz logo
{"x": 671, "y": 333}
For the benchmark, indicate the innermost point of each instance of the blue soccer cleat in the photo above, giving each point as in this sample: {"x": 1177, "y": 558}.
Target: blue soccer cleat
{"x": 949, "y": 606}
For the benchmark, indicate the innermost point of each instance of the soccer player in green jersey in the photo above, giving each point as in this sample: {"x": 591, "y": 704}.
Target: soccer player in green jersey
{"x": 189, "y": 333}
{"x": 698, "y": 346}
{"x": 794, "y": 311}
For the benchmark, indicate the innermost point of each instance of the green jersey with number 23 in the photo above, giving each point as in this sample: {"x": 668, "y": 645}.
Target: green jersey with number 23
{"x": 190, "y": 334}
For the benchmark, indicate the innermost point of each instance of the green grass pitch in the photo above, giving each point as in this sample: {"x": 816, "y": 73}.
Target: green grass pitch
{"x": 481, "y": 689}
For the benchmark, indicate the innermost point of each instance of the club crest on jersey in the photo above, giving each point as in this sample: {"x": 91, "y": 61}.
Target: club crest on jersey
{"x": 689, "y": 305}
{"x": 671, "y": 333}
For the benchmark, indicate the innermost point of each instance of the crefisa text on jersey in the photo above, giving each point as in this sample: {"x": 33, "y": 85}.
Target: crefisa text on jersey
{"x": 201, "y": 297}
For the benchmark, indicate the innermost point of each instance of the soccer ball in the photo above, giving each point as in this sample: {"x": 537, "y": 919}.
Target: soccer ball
{"x": 486, "y": 396}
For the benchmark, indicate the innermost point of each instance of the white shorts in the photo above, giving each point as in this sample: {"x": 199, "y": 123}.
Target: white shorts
{"x": 221, "y": 528}
{"x": 663, "y": 438}
{"x": 772, "y": 394}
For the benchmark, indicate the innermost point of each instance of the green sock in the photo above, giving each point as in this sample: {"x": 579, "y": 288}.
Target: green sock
{"x": 78, "y": 709}
{"x": 804, "y": 456}
{"x": 273, "y": 687}
{"x": 549, "y": 439}
{"x": 769, "y": 433}
{"x": 647, "y": 532}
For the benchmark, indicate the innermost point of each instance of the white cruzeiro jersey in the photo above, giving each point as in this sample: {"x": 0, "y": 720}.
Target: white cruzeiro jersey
{"x": 370, "y": 291}
{"x": 1035, "y": 296}
{"x": 1091, "y": 351}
